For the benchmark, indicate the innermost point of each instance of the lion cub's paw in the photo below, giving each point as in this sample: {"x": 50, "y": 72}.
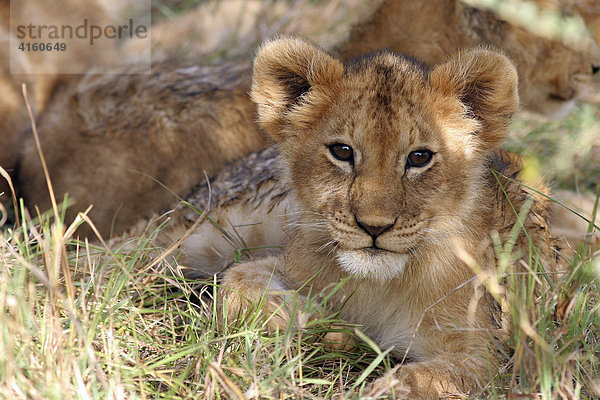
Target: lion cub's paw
{"x": 424, "y": 380}
{"x": 254, "y": 285}
{"x": 342, "y": 341}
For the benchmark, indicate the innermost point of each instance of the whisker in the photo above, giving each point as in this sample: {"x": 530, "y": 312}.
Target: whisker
{"x": 323, "y": 247}
{"x": 332, "y": 250}
{"x": 306, "y": 212}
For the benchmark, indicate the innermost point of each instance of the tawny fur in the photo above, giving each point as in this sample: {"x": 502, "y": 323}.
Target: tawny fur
{"x": 251, "y": 208}
{"x": 431, "y": 30}
{"x": 551, "y": 74}
{"x": 112, "y": 140}
{"x": 14, "y": 114}
{"x": 38, "y": 70}
{"x": 409, "y": 286}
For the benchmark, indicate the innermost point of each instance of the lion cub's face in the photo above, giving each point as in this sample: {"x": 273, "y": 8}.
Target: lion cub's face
{"x": 385, "y": 156}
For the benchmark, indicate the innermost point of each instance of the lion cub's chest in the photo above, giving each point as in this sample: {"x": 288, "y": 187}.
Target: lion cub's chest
{"x": 386, "y": 314}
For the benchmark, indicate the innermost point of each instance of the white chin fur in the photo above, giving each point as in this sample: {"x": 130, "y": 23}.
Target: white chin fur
{"x": 381, "y": 266}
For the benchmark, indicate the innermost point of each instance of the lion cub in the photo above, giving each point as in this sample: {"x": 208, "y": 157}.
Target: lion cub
{"x": 389, "y": 164}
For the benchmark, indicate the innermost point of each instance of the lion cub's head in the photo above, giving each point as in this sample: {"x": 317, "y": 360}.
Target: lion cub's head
{"x": 385, "y": 156}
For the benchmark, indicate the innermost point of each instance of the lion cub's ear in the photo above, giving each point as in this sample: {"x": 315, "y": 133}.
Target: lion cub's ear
{"x": 485, "y": 82}
{"x": 292, "y": 84}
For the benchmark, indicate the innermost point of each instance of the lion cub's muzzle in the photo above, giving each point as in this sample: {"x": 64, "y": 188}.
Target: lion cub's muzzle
{"x": 356, "y": 231}
{"x": 374, "y": 230}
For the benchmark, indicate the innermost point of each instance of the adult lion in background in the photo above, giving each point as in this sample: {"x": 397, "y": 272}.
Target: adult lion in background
{"x": 173, "y": 142}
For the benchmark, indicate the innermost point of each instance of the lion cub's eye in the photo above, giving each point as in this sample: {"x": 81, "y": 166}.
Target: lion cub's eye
{"x": 419, "y": 158}
{"x": 342, "y": 152}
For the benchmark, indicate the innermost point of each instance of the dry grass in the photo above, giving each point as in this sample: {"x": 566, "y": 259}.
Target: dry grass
{"x": 85, "y": 321}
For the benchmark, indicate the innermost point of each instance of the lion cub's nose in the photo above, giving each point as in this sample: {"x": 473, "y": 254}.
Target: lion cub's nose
{"x": 373, "y": 230}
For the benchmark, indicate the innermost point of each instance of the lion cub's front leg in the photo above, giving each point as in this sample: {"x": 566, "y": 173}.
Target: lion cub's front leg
{"x": 258, "y": 284}
{"x": 254, "y": 285}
